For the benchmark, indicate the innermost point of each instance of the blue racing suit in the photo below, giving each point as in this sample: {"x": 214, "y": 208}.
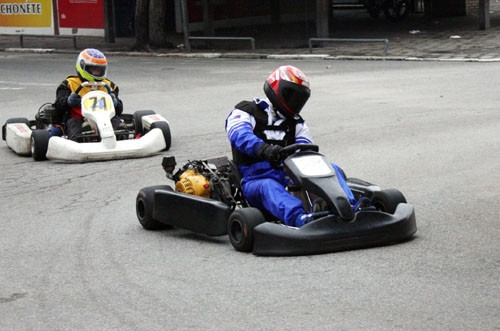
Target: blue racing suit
{"x": 250, "y": 124}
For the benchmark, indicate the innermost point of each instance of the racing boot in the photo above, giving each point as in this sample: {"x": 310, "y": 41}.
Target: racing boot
{"x": 86, "y": 131}
{"x": 319, "y": 205}
{"x": 308, "y": 218}
{"x": 120, "y": 128}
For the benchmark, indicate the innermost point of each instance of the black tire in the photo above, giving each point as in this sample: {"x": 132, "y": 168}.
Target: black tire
{"x": 396, "y": 10}
{"x": 165, "y": 128}
{"x": 240, "y": 227}
{"x": 12, "y": 121}
{"x": 138, "y": 119}
{"x": 387, "y": 200}
{"x": 144, "y": 205}
{"x": 39, "y": 144}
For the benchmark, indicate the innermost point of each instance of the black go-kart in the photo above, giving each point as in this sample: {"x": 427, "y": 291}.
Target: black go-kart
{"x": 207, "y": 199}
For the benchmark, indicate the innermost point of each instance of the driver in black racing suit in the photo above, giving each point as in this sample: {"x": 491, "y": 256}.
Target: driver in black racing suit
{"x": 91, "y": 66}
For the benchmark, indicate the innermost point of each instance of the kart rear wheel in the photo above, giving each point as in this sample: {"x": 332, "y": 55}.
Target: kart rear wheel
{"x": 387, "y": 200}
{"x": 240, "y": 227}
{"x": 138, "y": 119}
{"x": 144, "y": 206}
{"x": 165, "y": 128}
{"x": 22, "y": 120}
{"x": 39, "y": 144}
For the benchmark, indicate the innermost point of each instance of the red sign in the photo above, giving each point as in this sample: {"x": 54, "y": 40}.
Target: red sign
{"x": 83, "y": 14}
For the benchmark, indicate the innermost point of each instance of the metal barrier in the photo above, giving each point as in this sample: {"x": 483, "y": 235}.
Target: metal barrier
{"x": 21, "y": 37}
{"x": 385, "y": 41}
{"x": 252, "y": 40}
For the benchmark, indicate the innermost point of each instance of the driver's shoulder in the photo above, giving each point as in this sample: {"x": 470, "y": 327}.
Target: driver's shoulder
{"x": 111, "y": 84}
{"x": 72, "y": 82}
{"x": 74, "y": 78}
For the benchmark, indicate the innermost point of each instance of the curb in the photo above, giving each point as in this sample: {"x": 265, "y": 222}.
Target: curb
{"x": 237, "y": 55}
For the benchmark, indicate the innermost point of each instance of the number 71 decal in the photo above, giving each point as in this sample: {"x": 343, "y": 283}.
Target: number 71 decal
{"x": 100, "y": 103}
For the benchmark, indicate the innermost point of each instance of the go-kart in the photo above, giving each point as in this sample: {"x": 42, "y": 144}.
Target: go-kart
{"x": 208, "y": 200}
{"x": 141, "y": 134}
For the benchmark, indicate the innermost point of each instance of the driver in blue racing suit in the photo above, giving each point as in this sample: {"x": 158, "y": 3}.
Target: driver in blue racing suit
{"x": 258, "y": 130}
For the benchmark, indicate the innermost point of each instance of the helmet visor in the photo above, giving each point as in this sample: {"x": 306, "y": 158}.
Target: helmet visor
{"x": 96, "y": 70}
{"x": 295, "y": 96}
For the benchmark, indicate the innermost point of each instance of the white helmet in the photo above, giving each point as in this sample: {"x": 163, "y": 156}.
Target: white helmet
{"x": 91, "y": 65}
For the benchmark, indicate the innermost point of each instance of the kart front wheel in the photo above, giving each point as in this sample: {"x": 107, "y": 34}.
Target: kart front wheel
{"x": 165, "y": 128}
{"x": 22, "y": 120}
{"x": 144, "y": 206}
{"x": 240, "y": 227}
{"x": 39, "y": 144}
{"x": 387, "y": 200}
{"x": 138, "y": 115}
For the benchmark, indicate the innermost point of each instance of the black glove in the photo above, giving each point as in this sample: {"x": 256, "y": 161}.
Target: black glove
{"x": 271, "y": 153}
{"x": 74, "y": 100}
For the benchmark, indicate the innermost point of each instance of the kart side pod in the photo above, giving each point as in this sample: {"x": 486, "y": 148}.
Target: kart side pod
{"x": 18, "y": 137}
{"x": 191, "y": 212}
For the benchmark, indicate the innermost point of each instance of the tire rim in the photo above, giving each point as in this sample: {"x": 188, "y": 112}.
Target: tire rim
{"x": 141, "y": 210}
{"x": 236, "y": 232}
{"x": 32, "y": 147}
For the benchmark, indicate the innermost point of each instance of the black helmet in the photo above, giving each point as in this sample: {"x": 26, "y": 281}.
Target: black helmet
{"x": 288, "y": 90}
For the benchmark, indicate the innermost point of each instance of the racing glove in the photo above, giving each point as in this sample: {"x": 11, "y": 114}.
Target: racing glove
{"x": 270, "y": 153}
{"x": 74, "y": 100}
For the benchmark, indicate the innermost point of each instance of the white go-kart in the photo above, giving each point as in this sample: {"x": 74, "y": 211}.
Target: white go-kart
{"x": 141, "y": 134}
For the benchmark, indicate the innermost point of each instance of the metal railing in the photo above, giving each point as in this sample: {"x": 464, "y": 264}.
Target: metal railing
{"x": 23, "y": 35}
{"x": 385, "y": 41}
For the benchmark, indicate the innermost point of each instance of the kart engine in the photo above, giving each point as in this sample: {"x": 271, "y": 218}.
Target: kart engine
{"x": 212, "y": 178}
{"x": 47, "y": 114}
{"x": 191, "y": 182}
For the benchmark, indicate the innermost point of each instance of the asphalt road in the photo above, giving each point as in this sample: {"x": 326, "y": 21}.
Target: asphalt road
{"x": 74, "y": 257}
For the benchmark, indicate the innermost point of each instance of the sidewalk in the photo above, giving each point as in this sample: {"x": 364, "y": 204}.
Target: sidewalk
{"x": 416, "y": 38}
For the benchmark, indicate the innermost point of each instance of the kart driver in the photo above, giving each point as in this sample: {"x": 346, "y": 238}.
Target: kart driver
{"x": 91, "y": 66}
{"x": 258, "y": 130}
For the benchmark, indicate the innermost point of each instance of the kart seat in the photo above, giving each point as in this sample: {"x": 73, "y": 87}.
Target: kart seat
{"x": 234, "y": 174}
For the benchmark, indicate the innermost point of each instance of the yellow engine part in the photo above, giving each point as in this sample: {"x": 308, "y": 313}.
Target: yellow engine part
{"x": 193, "y": 183}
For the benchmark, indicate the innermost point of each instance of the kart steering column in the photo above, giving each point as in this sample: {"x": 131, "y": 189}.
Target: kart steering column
{"x": 329, "y": 189}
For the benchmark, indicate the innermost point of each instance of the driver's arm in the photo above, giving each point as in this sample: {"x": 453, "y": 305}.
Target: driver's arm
{"x": 302, "y": 134}
{"x": 62, "y": 93}
{"x": 239, "y": 129}
{"x": 119, "y": 107}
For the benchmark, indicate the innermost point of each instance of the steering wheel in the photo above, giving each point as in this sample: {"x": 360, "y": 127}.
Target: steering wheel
{"x": 92, "y": 85}
{"x": 292, "y": 149}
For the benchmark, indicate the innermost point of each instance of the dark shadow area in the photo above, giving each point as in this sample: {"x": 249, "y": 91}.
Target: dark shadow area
{"x": 346, "y": 23}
